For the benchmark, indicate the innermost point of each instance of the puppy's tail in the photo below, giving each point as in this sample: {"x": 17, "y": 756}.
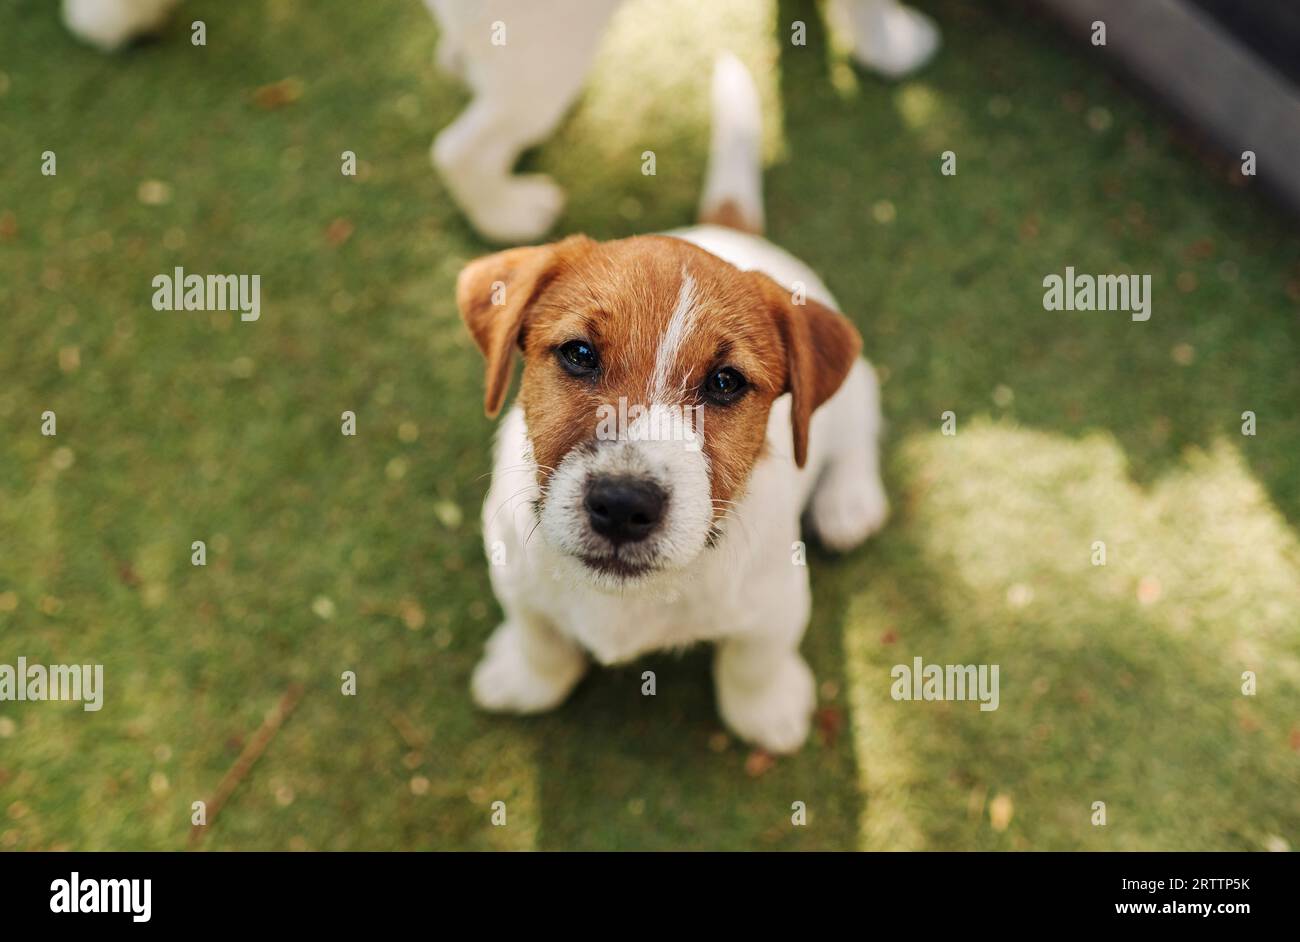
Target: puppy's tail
{"x": 733, "y": 187}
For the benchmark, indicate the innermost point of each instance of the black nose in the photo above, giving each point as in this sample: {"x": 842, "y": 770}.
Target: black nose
{"x": 623, "y": 509}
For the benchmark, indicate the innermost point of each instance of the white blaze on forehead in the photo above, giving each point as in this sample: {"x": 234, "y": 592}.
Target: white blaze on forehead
{"x": 680, "y": 325}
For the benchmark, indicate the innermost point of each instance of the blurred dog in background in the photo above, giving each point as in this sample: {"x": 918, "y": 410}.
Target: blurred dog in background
{"x": 521, "y": 97}
{"x": 522, "y": 91}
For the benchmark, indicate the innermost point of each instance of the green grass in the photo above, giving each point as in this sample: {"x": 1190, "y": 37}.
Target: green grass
{"x": 1118, "y": 684}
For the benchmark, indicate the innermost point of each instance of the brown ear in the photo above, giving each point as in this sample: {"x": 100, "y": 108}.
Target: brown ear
{"x": 494, "y": 294}
{"x": 820, "y": 349}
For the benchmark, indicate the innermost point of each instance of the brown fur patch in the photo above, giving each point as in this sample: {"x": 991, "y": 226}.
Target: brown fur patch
{"x": 728, "y": 213}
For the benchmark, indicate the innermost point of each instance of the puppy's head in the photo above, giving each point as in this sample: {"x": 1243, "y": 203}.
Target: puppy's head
{"x": 650, "y": 366}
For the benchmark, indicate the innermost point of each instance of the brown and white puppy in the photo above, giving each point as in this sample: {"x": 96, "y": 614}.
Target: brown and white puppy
{"x": 684, "y": 398}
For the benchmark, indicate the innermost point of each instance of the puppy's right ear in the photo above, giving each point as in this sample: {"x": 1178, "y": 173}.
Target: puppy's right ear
{"x": 494, "y": 294}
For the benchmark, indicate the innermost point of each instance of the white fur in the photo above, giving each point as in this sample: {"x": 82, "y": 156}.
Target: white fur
{"x": 680, "y": 324}
{"x": 110, "y": 24}
{"x": 888, "y": 37}
{"x": 735, "y": 170}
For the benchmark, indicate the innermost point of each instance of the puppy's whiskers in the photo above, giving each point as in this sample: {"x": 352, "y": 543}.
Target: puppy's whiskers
{"x": 732, "y": 513}
{"x": 512, "y": 498}
{"x": 516, "y": 468}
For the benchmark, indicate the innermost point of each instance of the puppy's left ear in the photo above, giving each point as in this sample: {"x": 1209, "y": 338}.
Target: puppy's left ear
{"x": 821, "y": 346}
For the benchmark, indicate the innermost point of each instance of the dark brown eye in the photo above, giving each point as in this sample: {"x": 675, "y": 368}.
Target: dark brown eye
{"x": 578, "y": 357}
{"x": 725, "y": 386}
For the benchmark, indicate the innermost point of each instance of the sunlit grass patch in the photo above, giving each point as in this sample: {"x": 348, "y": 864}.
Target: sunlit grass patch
{"x": 1121, "y": 681}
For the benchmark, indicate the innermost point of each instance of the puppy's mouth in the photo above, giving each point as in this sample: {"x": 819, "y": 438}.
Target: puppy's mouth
{"x": 617, "y": 566}
{"x": 626, "y": 512}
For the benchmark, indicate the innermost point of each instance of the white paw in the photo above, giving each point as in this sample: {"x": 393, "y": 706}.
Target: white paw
{"x": 778, "y": 714}
{"x": 521, "y": 208}
{"x": 846, "y": 511}
{"x": 906, "y": 42}
{"x": 505, "y": 681}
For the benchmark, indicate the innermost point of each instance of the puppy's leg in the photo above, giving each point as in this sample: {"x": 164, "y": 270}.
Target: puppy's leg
{"x": 528, "y": 667}
{"x": 766, "y": 692}
{"x": 849, "y": 501}
{"x": 450, "y": 57}
{"x": 888, "y": 37}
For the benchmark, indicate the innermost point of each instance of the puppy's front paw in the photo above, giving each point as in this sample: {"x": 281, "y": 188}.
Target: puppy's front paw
{"x": 846, "y": 511}
{"x": 507, "y": 680}
{"x": 777, "y": 714}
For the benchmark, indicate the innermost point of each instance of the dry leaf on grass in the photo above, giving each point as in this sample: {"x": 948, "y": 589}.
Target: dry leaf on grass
{"x": 758, "y": 763}
{"x": 829, "y": 721}
{"x": 338, "y": 231}
{"x": 278, "y": 94}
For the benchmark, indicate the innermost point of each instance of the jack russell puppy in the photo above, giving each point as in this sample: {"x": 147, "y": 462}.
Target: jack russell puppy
{"x": 685, "y": 397}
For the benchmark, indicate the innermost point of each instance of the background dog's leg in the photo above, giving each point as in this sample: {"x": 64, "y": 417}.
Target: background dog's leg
{"x": 766, "y": 692}
{"x": 111, "y": 24}
{"x": 528, "y": 667}
{"x": 849, "y": 501}
{"x": 476, "y": 154}
{"x": 526, "y": 61}
{"x": 887, "y": 37}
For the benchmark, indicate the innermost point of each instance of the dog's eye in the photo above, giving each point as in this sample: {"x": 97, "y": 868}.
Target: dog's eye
{"x": 725, "y": 386}
{"x": 578, "y": 357}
